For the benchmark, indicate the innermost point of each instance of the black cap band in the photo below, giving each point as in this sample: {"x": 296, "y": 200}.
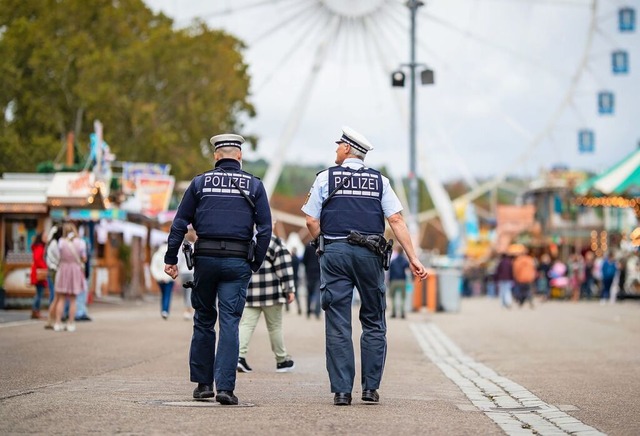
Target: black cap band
{"x": 228, "y": 144}
{"x": 352, "y": 143}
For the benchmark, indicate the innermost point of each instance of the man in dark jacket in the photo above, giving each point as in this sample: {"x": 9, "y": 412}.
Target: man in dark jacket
{"x": 504, "y": 280}
{"x": 312, "y": 273}
{"x": 225, "y": 206}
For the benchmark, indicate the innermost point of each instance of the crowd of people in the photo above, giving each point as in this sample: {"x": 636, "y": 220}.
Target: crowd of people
{"x": 60, "y": 263}
{"x": 580, "y": 276}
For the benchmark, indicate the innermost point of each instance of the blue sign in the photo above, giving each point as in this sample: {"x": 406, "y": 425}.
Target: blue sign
{"x": 620, "y": 62}
{"x": 626, "y": 19}
{"x": 606, "y": 102}
{"x": 586, "y": 141}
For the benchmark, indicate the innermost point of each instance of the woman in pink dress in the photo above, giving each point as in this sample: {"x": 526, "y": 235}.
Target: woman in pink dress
{"x": 70, "y": 280}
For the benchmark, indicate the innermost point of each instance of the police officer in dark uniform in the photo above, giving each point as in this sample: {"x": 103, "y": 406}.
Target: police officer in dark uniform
{"x": 346, "y": 209}
{"x": 227, "y": 207}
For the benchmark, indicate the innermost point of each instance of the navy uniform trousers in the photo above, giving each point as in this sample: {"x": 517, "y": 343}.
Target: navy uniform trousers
{"x": 343, "y": 267}
{"x": 221, "y": 280}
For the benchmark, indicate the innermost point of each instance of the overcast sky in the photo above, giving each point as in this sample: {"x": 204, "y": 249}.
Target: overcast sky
{"x": 503, "y": 69}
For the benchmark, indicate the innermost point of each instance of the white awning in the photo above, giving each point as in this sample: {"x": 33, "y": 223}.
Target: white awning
{"x": 20, "y": 192}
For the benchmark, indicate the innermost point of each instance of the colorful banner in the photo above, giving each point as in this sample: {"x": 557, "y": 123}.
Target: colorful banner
{"x": 88, "y": 214}
{"x": 132, "y": 170}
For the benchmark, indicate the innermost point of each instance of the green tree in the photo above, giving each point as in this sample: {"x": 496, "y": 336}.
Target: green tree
{"x": 160, "y": 93}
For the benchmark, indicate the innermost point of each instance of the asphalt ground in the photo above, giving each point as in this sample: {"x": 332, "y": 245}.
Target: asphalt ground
{"x": 127, "y": 373}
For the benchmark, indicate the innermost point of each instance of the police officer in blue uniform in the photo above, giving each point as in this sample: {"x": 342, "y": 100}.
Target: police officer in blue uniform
{"x": 346, "y": 208}
{"x": 227, "y": 207}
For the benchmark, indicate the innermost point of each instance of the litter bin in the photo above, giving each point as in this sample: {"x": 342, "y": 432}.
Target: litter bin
{"x": 449, "y": 281}
{"x": 424, "y": 292}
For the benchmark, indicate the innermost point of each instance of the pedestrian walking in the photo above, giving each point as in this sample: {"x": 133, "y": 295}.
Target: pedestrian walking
{"x": 609, "y": 270}
{"x": 165, "y": 283}
{"x": 398, "y": 282}
{"x": 586, "y": 291}
{"x": 504, "y": 280}
{"x": 70, "y": 279}
{"x": 52, "y": 258}
{"x": 39, "y": 273}
{"x": 524, "y": 274}
{"x": 270, "y": 288}
{"x": 575, "y": 267}
{"x": 82, "y": 311}
{"x": 226, "y": 206}
{"x": 345, "y": 211}
{"x": 312, "y": 276}
{"x": 542, "y": 282}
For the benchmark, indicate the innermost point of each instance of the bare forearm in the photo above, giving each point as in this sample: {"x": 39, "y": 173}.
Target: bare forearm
{"x": 401, "y": 232}
{"x": 313, "y": 225}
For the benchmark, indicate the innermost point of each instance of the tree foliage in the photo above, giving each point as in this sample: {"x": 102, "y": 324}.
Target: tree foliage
{"x": 159, "y": 92}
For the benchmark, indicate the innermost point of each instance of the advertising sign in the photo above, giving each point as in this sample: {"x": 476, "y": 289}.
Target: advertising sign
{"x": 154, "y": 193}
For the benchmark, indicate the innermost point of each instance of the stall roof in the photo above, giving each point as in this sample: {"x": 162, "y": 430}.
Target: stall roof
{"x": 24, "y": 192}
{"x": 620, "y": 179}
{"x": 74, "y": 190}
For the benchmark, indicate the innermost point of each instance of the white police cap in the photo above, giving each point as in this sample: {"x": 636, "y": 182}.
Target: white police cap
{"x": 227, "y": 140}
{"x": 355, "y": 139}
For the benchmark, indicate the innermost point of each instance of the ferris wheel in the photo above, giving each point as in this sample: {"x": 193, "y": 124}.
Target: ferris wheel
{"x": 519, "y": 84}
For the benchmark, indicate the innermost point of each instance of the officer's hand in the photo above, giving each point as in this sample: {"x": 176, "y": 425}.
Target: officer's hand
{"x": 171, "y": 270}
{"x": 418, "y": 269}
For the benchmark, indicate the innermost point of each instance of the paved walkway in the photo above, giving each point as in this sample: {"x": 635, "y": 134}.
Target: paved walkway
{"x": 561, "y": 368}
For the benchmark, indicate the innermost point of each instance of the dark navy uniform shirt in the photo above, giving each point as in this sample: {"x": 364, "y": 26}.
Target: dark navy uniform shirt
{"x": 216, "y": 209}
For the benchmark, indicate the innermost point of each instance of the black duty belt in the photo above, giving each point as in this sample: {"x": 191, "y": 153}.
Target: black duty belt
{"x": 221, "y": 248}
{"x": 331, "y": 241}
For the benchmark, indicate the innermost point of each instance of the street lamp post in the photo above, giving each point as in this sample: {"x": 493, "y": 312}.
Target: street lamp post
{"x": 397, "y": 79}
{"x": 413, "y": 179}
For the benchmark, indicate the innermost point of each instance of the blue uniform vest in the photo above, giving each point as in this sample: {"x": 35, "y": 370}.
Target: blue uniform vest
{"x": 222, "y": 211}
{"x": 356, "y": 206}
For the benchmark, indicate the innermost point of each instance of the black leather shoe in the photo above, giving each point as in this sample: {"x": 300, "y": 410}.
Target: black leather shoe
{"x": 342, "y": 399}
{"x": 227, "y": 398}
{"x": 203, "y": 391}
{"x": 370, "y": 395}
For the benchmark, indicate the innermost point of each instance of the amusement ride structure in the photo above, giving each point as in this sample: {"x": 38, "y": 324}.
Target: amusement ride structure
{"x": 515, "y": 86}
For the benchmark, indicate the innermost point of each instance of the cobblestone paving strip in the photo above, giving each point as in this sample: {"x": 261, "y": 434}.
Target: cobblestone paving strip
{"x": 516, "y": 410}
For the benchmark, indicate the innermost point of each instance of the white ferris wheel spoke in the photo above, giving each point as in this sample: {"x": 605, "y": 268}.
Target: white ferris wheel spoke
{"x": 275, "y": 167}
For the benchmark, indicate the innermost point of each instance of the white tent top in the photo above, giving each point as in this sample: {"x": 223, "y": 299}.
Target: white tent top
{"x": 623, "y": 178}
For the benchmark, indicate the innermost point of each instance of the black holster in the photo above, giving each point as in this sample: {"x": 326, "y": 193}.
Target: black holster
{"x": 251, "y": 254}
{"x": 388, "y": 250}
{"x": 187, "y": 250}
{"x": 318, "y": 243}
{"x": 375, "y": 243}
